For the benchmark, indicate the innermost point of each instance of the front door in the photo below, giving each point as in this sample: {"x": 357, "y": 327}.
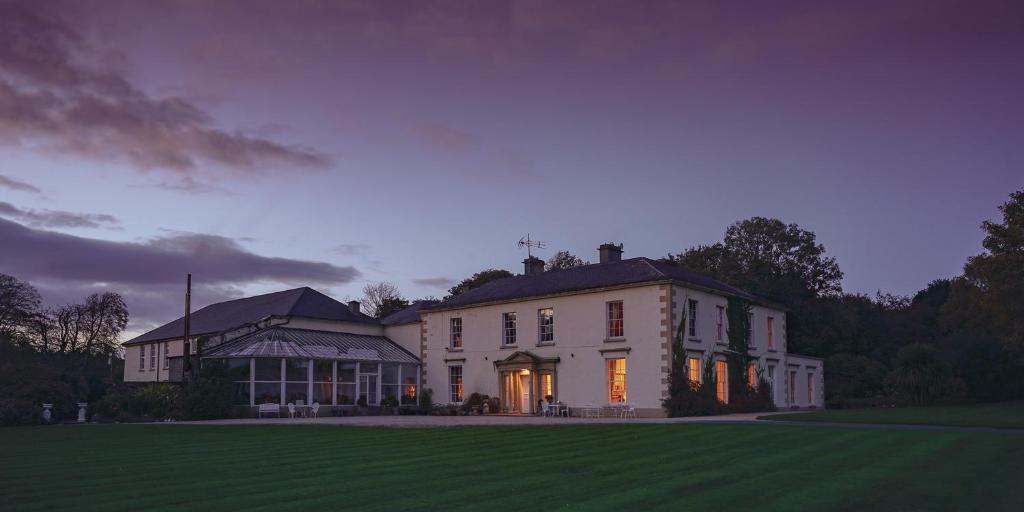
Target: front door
{"x": 524, "y": 385}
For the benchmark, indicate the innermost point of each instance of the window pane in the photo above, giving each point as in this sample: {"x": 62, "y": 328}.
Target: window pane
{"x": 722, "y": 381}
{"x": 239, "y": 369}
{"x": 346, "y": 394}
{"x": 347, "y": 373}
{"x": 368, "y": 389}
{"x": 389, "y": 374}
{"x": 616, "y": 380}
{"x": 456, "y": 326}
{"x": 368, "y": 368}
{"x": 295, "y": 392}
{"x": 323, "y": 371}
{"x": 547, "y": 387}
{"x": 391, "y": 391}
{"x": 268, "y": 369}
{"x": 268, "y": 393}
{"x": 296, "y": 370}
{"x": 455, "y": 383}
{"x": 322, "y": 392}
{"x": 241, "y": 395}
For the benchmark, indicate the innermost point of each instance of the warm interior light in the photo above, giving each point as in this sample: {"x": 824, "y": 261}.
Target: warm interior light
{"x": 525, "y": 372}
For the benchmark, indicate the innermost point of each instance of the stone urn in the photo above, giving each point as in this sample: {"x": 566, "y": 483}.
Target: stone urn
{"x": 81, "y": 411}
{"x": 47, "y": 414}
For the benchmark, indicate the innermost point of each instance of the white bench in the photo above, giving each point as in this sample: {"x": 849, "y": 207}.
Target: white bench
{"x": 269, "y": 408}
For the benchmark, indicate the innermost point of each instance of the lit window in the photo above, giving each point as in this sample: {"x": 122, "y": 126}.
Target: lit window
{"x": 692, "y": 317}
{"x": 508, "y": 332}
{"x": 616, "y": 380}
{"x": 693, "y": 367}
{"x": 615, "y": 316}
{"x": 547, "y": 387}
{"x": 546, "y": 325}
{"x": 152, "y": 356}
{"x": 722, "y": 381}
{"x": 456, "y": 341}
{"x": 720, "y": 326}
{"x": 771, "y": 333}
{"x": 455, "y": 384}
{"x": 142, "y": 357}
{"x": 752, "y": 375}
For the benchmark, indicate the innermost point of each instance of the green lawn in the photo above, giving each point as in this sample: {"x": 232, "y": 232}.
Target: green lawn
{"x": 610, "y": 467}
{"x": 1000, "y": 415}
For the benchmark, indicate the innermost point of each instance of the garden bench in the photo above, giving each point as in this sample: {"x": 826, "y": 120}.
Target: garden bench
{"x": 269, "y": 408}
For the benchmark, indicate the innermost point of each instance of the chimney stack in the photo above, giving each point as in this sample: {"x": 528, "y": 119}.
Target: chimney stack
{"x": 610, "y": 252}
{"x": 533, "y": 266}
{"x": 353, "y": 306}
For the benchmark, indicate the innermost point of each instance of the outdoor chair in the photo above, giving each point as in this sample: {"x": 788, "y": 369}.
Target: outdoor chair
{"x": 545, "y": 408}
{"x": 291, "y": 410}
{"x": 268, "y": 409}
{"x": 629, "y": 411}
{"x": 314, "y": 409}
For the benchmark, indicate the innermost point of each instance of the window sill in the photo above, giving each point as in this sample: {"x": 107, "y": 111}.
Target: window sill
{"x": 449, "y": 349}
{"x": 617, "y": 339}
{"x": 546, "y": 344}
{"x": 693, "y": 339}
{"x": 508, "y": 347}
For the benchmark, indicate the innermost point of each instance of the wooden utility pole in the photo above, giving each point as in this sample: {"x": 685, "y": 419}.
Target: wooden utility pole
{"x": 187, "y": 355}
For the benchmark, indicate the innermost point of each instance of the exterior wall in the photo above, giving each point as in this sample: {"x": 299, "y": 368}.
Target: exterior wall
{"x": 579, "y": 342}
{"x": 406, "y": 336}
{"x": 334, "y": 326}
{"x": 159, "y": 372}
{"x": 806, "y": 367}
{"x": 706, "y": 340}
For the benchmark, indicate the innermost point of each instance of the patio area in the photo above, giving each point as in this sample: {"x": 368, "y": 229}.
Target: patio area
{"x": 495, "y": 420}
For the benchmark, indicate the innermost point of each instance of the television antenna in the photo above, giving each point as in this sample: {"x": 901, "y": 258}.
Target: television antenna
{"x": 530, "y": 245}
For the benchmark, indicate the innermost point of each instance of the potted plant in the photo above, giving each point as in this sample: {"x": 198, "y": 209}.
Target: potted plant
{"x": 389, "y": 404}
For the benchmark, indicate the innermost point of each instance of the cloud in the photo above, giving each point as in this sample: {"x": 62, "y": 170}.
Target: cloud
{"x": 150, "y": 273}
{"x": 57, "y": 218}
{"x": 436, "y": 282}
{"x": 51, "y": 95}
{"x": 13, "y": 184}
{"x": 444, "y": 137}
{"x": 351, "y": 249}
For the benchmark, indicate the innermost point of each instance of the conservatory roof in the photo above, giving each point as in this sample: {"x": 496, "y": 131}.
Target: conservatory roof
{"x": 311, "y": 344}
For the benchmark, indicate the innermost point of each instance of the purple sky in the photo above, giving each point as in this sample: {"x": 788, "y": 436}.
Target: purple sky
{"x": 264, "y": 145}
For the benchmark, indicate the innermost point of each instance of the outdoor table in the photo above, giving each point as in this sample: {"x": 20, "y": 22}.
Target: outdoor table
{"x": 556, "y": 409}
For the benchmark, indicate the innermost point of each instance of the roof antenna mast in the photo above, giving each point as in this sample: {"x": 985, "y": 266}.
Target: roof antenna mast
{"x": 530, "y": 244}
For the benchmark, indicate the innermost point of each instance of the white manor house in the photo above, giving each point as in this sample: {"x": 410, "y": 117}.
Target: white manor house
{"x": 587, "y": 336}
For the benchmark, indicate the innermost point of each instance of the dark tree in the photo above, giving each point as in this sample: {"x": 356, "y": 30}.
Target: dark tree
{"x": 478, "y": 279}
{"x": 381, "y": 299}
{"x": 563, "y": 260}
{"x": 768, "y": 258}
{"x": 19, "y": 303}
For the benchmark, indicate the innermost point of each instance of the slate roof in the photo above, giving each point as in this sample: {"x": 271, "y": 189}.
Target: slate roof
{"x": 408, "y": 315}
{"x": 310, "y": 344}
{"x": 301, "y": 302}
{"x": 596, "y": 275}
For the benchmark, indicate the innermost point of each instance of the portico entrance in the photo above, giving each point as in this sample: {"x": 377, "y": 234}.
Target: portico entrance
{"x": 525, "y": 380}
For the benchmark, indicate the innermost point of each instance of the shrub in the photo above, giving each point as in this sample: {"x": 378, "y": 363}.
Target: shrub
{"x": 426, "y": 397}
{"x": 157, "y": 401}
{"x": 19, "y": 412}
{"x": 921, "y": 378}
{"x": 210, "y": 395}
{"x": 389, "y": 401}
{"x": 475, "y": 401}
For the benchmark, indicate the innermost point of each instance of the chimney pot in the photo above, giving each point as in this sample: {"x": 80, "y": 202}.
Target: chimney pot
{"x": 609, "y": 252}
{"x": 533, "y": 266}
{"x": 353, "y": 306}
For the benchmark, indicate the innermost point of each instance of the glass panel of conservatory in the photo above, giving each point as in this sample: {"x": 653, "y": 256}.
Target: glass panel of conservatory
{"x": 347, "y": 373}
{"x": 241, "y": 394}
{"x": 409, "y": 385}
{"x": 239, "y": 369}
{"x": 323, "y": 371}
{"x": 389, "y": 373}
{"x": 296, "y": 370}
{"x": 322, "y": 392}
{"x": 346, "y": 394}
{"x": 268, "y": 369}
{"x": 295, "y": 392}
{"x": 268, "y": 392}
